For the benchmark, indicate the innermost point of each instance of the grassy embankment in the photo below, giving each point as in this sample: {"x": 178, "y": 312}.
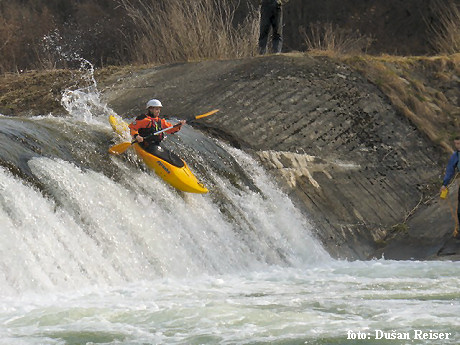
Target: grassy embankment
{"x": 39, "y": 92}
{"x": 189, "y": 31}
{"x": 425, "y": 89}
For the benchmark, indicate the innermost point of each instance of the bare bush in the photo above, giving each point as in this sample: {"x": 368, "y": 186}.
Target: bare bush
{"x": 45, "y": 34}
{"x": 20, "y": 30}
{"x": 177, "y": 30}
{"x": 444, "y": 29}
{"x": 327, "y": 37}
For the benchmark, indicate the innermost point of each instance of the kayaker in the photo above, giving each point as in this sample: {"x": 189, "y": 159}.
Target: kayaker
{"x": 143, "y": 127}
{"x": 452, "y": 166}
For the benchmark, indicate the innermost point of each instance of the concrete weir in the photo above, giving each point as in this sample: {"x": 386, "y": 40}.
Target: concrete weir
{"x": 333, "y": 140}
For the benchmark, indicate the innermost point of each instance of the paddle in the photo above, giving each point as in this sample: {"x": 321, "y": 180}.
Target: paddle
{"x": 120, "y": 148}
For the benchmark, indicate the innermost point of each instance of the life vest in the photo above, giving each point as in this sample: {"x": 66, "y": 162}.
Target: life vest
{"x": 145, "y": 126}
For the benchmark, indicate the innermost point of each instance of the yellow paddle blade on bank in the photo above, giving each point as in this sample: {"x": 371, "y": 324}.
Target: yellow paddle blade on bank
{"x": 206, "y": 114}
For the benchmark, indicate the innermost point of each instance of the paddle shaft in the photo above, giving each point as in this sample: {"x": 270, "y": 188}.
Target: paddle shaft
{"x": 178, "y": 124}
{"x": 120, "y": 148}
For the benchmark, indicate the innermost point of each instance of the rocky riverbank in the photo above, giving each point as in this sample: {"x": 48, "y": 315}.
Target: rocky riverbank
{"x": 351, "y": 145}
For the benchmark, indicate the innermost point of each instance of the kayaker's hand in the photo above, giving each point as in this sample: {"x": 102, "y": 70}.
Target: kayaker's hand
{"x": 182, "y": 122}
{"x": 443, "y": 188}
{"x": 139, "y": 139}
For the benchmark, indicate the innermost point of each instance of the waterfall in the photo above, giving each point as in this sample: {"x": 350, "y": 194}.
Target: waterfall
{"x": 72, "y": 215}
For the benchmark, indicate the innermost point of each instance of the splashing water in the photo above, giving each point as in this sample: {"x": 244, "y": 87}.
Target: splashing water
{"x": 85, "y": 103}
{"x": 97, "y": 249}
{"x": 83, "y": 100}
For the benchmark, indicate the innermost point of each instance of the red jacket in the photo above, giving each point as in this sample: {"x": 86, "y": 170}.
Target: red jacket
{"x": 145, "y": 125}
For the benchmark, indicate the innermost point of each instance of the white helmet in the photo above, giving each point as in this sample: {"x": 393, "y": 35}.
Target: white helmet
{"x": 153, "y": 103}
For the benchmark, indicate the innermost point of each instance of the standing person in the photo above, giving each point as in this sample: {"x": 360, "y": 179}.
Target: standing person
{"x": 452, "y": 166}
{"x": 271, "y": 16}
{"x": 143, "y": 127}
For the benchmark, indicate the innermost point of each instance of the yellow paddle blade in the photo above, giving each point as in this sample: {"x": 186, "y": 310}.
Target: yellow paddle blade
{"x": 206, "y": 114}
{"x": 119, "y": 148}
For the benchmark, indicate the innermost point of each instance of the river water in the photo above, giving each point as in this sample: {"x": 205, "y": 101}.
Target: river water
{"x": 95, "y": 249}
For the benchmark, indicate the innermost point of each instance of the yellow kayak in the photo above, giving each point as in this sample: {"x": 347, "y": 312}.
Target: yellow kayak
{"x": 180, "y": 177}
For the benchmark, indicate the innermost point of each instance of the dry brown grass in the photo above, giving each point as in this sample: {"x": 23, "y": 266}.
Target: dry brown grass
{"x": 445, "y": 30}
{"x": 179, "y": 30}
{"x": 39, "y": 92}
{"x": 421, "y": 88}
{"x": 33, "y": 91}
{"x": 20, "y": 28}
{"x": 333, "y": 39}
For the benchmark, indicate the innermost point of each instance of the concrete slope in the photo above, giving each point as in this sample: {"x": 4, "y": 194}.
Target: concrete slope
{"x": 334, "y": 142}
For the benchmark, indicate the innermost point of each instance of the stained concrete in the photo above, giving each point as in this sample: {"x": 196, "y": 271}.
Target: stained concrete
{"x": 360, "y": 170}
